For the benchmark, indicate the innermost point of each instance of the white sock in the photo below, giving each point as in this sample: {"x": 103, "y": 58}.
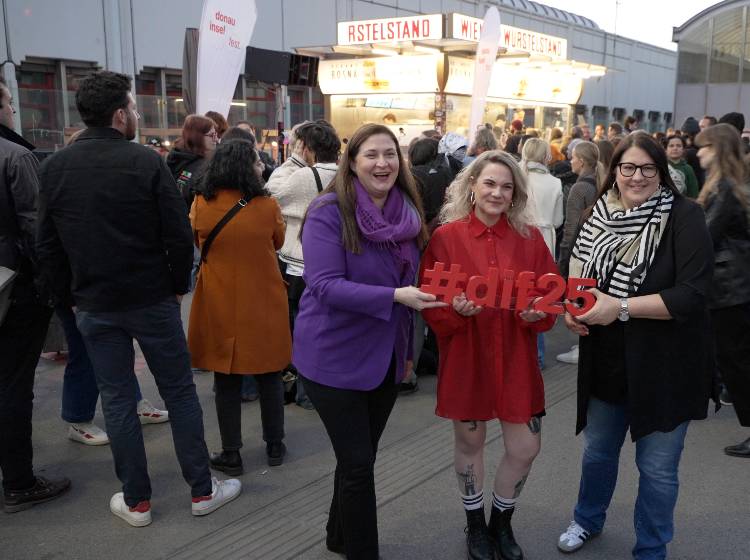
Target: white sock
{"x": 502, "y": 504}
{"x": 475, "y": 501}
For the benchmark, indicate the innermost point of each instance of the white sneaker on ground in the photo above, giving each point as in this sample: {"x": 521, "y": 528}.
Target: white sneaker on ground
{"x": 138, "y": 516}
{"x": 573, "y": 538}
{"x": 149, "y": 414}
{"x": 88, "y": 434}
{"x": 570, "y": 357}
{"x": 222, "y": 492}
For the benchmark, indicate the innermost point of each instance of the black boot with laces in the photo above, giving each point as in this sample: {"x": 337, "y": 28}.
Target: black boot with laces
{"x": 478, "y": 540}
{"x": 501, "y": 534}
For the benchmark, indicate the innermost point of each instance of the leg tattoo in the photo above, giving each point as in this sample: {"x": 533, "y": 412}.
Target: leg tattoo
{"x": 519, "y": 486}
{"x": 535, "y": 425}
{"x": 468, "y": 480}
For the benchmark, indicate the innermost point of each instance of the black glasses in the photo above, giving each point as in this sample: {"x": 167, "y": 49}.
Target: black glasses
{"x": 649, "y": 171}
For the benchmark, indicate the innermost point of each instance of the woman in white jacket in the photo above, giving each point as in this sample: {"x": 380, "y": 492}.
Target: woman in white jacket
{"x": 319, "y": 146}
{"x": 546, "y": 195}
{"x": 545, "y": 189}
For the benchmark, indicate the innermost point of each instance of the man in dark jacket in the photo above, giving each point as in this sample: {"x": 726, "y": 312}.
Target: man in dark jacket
{"x": 115, "y": 242}
{"x": 23, "y": 330}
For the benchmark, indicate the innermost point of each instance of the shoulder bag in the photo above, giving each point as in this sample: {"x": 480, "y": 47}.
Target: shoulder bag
{"x": 318, "y": 182}
{"x": 241, "y": 203}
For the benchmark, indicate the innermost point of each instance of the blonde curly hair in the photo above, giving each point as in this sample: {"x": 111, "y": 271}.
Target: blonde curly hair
{"x": 459, "y": 201}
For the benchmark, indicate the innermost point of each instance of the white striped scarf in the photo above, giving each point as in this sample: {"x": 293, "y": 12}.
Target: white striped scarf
{"x": 616, "y": 246}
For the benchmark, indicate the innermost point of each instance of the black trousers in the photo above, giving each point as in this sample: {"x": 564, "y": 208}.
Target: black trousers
{"x": 21, "y": 339}
{"x": 354, "y": 420}
{"x": 732, "y": 332}
{"x": 229, "y": 407}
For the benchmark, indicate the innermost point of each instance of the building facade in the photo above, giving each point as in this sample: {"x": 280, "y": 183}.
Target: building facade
{"x": 713, "y": 71}
{"x": 48, "y": 45}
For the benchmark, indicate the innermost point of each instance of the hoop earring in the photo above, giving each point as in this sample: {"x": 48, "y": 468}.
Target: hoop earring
{"x": 512, "y": 204}
{"x": 614, "y": 186}
{"x": 472, "y": 199}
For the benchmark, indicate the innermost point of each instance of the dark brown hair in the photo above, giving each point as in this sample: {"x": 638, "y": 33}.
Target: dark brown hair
{"x": 346, "y": 195}
{"x": 654, "y": 150}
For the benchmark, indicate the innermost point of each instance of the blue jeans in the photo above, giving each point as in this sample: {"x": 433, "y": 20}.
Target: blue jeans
{"x": 657, "y": 456}
{"x": 540, "y": 349}
{"x": 158, "y": 329}
{"x": 79, "y": 393}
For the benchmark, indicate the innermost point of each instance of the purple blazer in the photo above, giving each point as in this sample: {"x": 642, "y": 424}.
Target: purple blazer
{"x": 348, "y": 325}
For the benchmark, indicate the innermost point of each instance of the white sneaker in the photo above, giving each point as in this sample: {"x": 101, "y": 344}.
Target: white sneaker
{"x": 88, "y": 434}
{"x": 570, "y": 357}
{"x": 222, "y": 492}
{"x": 149, "y": 414}
{"x": 573, "y": 538}
{"x": 138, "y": 516}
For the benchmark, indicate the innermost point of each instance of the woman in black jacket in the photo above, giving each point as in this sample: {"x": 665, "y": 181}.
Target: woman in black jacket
{"x": 645, "y": 347}
{"x": 726, "y": 199}
{"x": 188, "y": 159}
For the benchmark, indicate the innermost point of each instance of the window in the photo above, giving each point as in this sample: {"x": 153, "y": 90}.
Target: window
{"x": 726, "y": 47}
{"x": 600, "y": 115}
{"x": 693, "y": 56}
{"x": 40, "y": 104}
{"x": 148, "y": 97}
{"x": 176, "y": 111}
{"x": 261, "y": 106}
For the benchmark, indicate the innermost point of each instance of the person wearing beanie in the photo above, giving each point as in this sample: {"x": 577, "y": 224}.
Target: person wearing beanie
{"x": 737, "y": 120}
{"x": 690, "y": 128}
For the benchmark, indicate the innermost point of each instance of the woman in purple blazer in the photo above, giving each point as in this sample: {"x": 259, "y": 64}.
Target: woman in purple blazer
{"x": 352, "y": 339}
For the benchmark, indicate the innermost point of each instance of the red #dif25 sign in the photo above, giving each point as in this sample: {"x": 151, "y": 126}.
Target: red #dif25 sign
{"x": 512, "y": 289}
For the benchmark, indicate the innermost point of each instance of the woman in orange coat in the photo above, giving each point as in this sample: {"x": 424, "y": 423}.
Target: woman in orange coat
{"x": 488, "y": 360}
{"x": 239, "y": 318}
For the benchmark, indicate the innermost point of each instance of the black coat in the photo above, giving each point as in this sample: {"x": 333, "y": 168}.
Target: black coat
{"x": 727, "y": 221}
{"x": 19, "y": 193}
{"x": 113, "y": 229}
{"x": 669, "y": 365}
{"x": 187, "y": 169}
{"x": 433, "y": 179}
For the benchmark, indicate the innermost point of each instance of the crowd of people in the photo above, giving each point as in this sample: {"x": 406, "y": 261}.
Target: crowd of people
{"x": 308, "y": 271}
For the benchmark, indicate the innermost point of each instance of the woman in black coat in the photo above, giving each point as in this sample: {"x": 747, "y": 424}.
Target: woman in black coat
{"x": 726, "y": 198}
{"x": 645, "y": 349}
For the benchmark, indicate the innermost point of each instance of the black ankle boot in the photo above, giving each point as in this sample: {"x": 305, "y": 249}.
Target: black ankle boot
{"x": 229, "y": 462}
{"x": 478, "y": 541}
{"x": 501, "y": 534}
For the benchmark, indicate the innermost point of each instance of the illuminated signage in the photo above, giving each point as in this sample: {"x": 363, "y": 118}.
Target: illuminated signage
{"x": 469, "y": 28}
{"x": 516, "y": 82}
{"x": 396, "y": 74}
{"x": 390, "y": 30}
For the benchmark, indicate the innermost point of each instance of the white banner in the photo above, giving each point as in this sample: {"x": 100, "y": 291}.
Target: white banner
{"x": 225, "y": 30}
{"x": 483, "y": 64}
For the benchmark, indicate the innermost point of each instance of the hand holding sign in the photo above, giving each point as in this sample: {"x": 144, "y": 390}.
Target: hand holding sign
{"x": 514, "y": 291}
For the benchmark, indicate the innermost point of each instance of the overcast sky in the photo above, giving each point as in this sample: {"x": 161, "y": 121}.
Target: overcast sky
{"x": 649, "y": 21}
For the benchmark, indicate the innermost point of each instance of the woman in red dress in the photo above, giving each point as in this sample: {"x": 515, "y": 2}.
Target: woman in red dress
{"x": 488, "y": 358}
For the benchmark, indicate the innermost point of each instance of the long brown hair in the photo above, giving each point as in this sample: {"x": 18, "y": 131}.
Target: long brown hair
{"x": 346, "y": 196}
{"x": 728, "y": 162}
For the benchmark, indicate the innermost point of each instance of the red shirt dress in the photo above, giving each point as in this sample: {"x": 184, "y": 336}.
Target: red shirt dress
{"x": 488, "y": 363}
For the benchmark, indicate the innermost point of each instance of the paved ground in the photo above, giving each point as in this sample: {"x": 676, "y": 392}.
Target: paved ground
{"x": 282, "y": 511}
